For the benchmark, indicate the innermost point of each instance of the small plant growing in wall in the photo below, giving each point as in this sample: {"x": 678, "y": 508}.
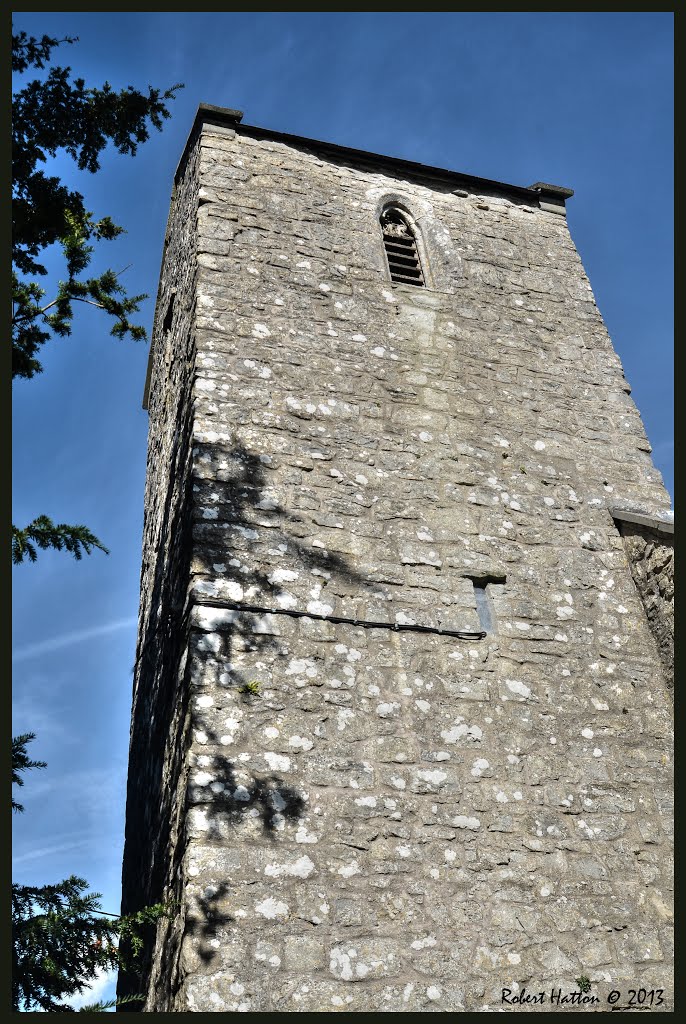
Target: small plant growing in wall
{"x": 253, "y": 687}
{"x": 584, "y": 983}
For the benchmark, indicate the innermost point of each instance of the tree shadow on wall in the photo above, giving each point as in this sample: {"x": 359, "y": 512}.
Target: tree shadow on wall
{"x": 246, "y": 530}
{"x": 225, "y": 539}
{"x": 242, "y": 506}
{"x": 207, "y": 918}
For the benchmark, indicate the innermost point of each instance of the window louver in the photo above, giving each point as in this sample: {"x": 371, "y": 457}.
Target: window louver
{"x": 401, "y": 250}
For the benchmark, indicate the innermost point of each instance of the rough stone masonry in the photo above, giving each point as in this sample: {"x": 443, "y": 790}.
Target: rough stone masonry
{"x": 401, "y": 715}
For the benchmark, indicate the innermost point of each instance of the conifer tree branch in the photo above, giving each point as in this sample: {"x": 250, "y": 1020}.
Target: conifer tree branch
{"x": 61, "y": 937}
{"x": 21, "y": 762}
{"x": 43, "y": 533}
{"x": 58, "y": 113}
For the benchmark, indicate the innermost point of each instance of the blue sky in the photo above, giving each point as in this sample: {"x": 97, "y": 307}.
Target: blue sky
{"x": 576, "y": 99}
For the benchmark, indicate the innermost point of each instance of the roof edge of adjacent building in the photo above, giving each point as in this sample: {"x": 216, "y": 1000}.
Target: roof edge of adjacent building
{"x": 207, "y": 113}
{"x": 660, "y": 522}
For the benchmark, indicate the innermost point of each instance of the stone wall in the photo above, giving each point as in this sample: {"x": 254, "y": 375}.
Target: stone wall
{"x": 379, "y": 816}
{"x": 650, "y": 551}
{"x": 159, "y": 722}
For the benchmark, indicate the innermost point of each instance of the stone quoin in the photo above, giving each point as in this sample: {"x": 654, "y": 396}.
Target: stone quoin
{"x": 402, "y": 713}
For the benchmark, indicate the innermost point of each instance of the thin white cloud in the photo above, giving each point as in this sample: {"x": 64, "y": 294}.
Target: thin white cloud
{"x": 99, "y": 791}
{"x": 47, "y": 851}
{"x": 67, "y": 639}
{"x": 101, "y": 989}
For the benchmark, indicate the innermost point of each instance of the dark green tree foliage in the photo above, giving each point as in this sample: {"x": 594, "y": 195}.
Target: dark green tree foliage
{"x": 60, "y": 940}
{"x": 51, "y": 114}
{"x": 43, "y": 533}
{"x": 60, "y": 936}
{"x": 58, "y": 943}
{"x": 21, "y": 762}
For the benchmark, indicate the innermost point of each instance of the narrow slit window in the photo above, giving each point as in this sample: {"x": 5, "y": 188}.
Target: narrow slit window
{"x": 401, "y": 250}
{"x": 169, "y": 315}
{"x": 483, "y": 608}
{"x": 484, "y": 604}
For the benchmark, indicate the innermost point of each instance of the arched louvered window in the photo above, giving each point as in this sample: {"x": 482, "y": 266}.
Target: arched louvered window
{"x": 401, "y": 249}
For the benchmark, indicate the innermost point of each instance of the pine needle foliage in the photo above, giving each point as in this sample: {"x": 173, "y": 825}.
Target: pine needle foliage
{"x": 43, "y": 533}
{"x": 59, "y": 113}
{"x": 21, "y": 762}
{"x": 61, "y": 937}
{"x": 103, "y": 1007}
{"x": 61, "y": 940}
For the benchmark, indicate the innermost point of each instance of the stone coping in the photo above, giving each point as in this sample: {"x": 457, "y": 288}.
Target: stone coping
{"x": 207, "y": 113}
{"x": 659, "y": 522}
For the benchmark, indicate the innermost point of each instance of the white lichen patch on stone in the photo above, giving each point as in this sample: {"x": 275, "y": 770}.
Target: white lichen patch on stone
{"x": 203, "y": 778}
{"x": 272, "y": 909}
{"x": 199, "y": 820}
{"x": 302, "y": 835}
{"x": 518, "y": 687}
{"x": 348, "y": 870}
{"x": 300, "y": 742}
{"x": 233, "y": 590}
{"x": 387, "y": 709}
{"x": 277, "y": 762}
{"x": 301, "y": 666}
{"x": 434, "y": 777}
{"x": 300, "y": 868}
{"x": 343, "y": 718}
{"x": 465, "y": 821}
{"x": 460, "y": 730}
{"x": 319, "y": 608}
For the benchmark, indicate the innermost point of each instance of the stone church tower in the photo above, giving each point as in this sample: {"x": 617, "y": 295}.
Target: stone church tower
{"x": 402, "y": 710}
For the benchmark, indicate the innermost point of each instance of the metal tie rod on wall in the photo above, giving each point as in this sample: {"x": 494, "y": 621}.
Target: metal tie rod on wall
{"x": 396, "y": 627}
